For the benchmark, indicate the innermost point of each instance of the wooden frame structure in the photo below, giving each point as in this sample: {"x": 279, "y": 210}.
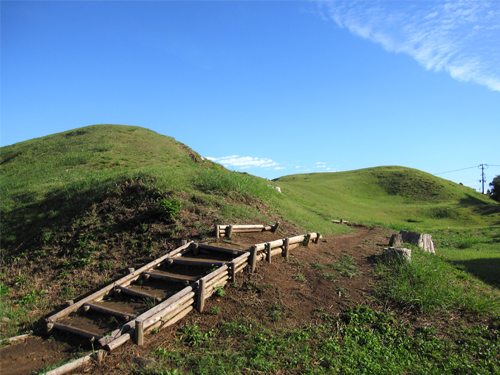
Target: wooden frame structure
{"x": 178, "y": 305}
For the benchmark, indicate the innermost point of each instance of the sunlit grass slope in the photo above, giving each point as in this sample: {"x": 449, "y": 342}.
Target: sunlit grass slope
{"x": 392, "y": 194}
{"x": 50, "y": 181}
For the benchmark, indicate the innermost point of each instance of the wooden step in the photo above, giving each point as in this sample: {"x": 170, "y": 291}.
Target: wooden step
{"x": 121, "y": 289}
{"x": 107, "y": 310}
{"x": 220, "y": 249}
{"x": 195, "y": 262}
{"x": 155, "y": 275}
{"x": 77, "y": 331}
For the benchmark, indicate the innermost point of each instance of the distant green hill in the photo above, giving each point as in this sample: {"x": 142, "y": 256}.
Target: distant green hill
{"x": 392, "y": 194}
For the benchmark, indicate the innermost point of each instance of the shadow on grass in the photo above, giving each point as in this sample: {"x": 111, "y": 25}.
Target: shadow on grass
{"x": 481, "y": 207}
{"x": 485, "y": 269}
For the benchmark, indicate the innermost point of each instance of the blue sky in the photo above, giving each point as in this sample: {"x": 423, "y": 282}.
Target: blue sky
{"x": 271, "y": 88}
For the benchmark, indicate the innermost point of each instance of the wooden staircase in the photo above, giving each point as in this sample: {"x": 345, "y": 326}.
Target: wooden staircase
{"x": 164, "y": 291}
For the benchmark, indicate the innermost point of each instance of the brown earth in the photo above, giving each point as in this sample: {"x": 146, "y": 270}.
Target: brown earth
{"x": 296, "y": 288}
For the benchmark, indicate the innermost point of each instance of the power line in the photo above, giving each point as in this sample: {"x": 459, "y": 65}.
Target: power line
{"x": 463, "y": 169}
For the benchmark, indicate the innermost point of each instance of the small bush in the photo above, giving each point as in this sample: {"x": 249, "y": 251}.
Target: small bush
{"x": 169, "y": 208}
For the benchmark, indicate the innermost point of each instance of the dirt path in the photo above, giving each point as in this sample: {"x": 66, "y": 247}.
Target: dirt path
{"x": 298, "y": 286}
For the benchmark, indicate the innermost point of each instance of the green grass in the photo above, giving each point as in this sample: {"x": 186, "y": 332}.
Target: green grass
{"x": 430, "y": 284}
{"x": 400, "y": 196}
{"x": 361, "y": 340}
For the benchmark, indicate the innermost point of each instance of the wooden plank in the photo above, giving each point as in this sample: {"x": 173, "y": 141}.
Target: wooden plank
{"x": 252, "y": 230}
{"x": 240, "y": 267}
{"x": 174, "y": 279}
{"x": 213, "y": 274}
{"x": 196, "y": 263}
{"x": 209, "y": 292}
{"x": 263, "y": 256}
{"x": 109, "y": 311}
{"x": 229, "y": 231}
{"x": 275, "y": 243}
{"x": 220, "y": 249}
{"x": 296, "y": 239}
{"x": 106, "y": 340}
{"x": 242, "y": 258}
{"x": 214, "y": 281}
{"x": 17, "y": 338}
{"x": 124, "y": 281}
{"x": 73, "y": 365}
{"x": 247, "y": 226}
{"x": 134, "y": 293}
{"x": 173, "y": 320}
{"x": 77, "y": 331}
{"x": 217, "y": 231}
{"x": 170, "y": 311}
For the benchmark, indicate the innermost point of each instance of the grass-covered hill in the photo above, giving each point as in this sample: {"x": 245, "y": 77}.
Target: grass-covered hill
{"x": 392, "y": 194}
{"x": 80, "y": 207}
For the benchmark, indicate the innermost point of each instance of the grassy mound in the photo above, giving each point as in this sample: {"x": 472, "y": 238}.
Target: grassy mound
{"x": 79, "y": 207}
{"x": 397, "y": 195}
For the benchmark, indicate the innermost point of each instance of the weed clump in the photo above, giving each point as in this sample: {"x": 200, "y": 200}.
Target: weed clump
{"x": 169, "y": 208}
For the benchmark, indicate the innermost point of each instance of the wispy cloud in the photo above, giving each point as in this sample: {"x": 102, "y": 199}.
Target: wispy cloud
{"x": 243, "y": 162}
{"x": 280, "y": 168}
{"x": 460, "y": 37}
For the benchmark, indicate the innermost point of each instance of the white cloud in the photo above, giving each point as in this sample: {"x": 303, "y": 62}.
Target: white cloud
{"x": 280, "y": 168}
{"x": 460, "y": 37}
{"x": 320, "y": 162}
{"x": 298, "y": 166}
{"x": 243, "y": 162}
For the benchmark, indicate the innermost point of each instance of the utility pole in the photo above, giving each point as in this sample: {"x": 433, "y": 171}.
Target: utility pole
{"x": 483, "y": 179}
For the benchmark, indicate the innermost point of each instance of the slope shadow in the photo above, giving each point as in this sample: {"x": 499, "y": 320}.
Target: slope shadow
{"x": 481, "y": 207}
{"x": 485, "y": 269}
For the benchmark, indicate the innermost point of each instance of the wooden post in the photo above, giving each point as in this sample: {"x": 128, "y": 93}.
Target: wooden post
{"x": 201, "y": 295}
{"x": 341, "y": 221}
{"x": 229, "y": 231}
{"x": 194, "y": 246}
{"x": 232, "y": 265}
{"x": 268, "y": 252}
{"x": 100, "y": 356}
{"x": 217, "y": 231}
{"x": 275, "y": 226}
{"x": 139, "y": 332}
{"x": 318, "y": 236}
{"x": 253, "y": 259}
{"x": 308, "y": 240}
{"x": 287, "y": 247}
